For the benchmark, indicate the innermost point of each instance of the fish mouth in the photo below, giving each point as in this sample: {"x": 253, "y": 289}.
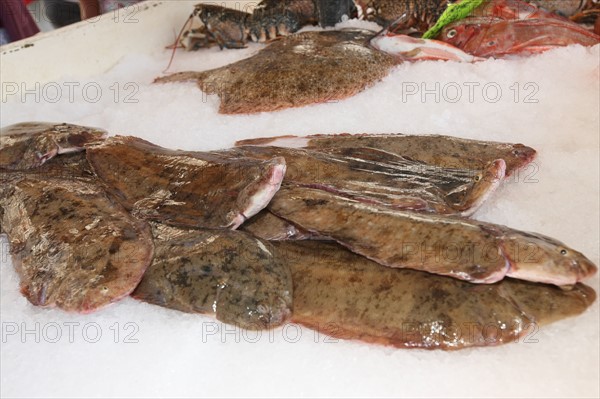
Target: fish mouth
{"x": 524, "y": 153}
{"x": 258, "y": 194}
{"x": 536, "y": 258}
{"x": 584, "y": 268}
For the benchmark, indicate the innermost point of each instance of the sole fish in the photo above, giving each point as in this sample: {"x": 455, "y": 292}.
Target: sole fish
{"x": 192, "y": 189}
{"x": 28, "y": 145}
{"x": 269, "y": 227}
{"x": 297, "y": 70}
{"x": 347, "y": 296}
{"x": 444, "y": 151}
{"x": 228, "y": 274}
{"x": 375, "y": 176}
{"x": 461, "y": 248}
{"x": 74, "y": 247}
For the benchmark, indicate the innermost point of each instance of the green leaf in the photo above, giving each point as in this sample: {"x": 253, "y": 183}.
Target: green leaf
{"x": 454, "y": 12}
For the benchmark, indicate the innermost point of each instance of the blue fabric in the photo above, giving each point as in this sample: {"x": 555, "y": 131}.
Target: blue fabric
{"x": 4, "y": 39}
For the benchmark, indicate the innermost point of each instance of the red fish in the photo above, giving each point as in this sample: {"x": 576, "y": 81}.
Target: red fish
{"x": 486, "y": 37}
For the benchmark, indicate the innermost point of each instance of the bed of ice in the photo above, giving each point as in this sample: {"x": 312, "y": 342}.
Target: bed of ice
{"x": 550, "y": 102}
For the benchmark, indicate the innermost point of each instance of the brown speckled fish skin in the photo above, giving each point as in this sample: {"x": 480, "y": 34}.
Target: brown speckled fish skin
{"x": 444, "y": 151}
{"x": 181, "y": 188}
{"x": 228, "y": 274}
{"x": 433, "y": 243}
{"x": 73, "y": 166}
{"x": 269, "y": 227}
{"x": 74, "y": 247}
{"x": 297, "y": 70}
{"x": 28, "y": 145}
{"x": 375, "y": 176}
{"x": 466, "y": 249}
{"x": 348, "y": 296}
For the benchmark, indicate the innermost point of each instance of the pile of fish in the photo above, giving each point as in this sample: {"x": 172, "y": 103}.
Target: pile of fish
{"x": 319, "y": 66}
{"x": 358, "y": 236}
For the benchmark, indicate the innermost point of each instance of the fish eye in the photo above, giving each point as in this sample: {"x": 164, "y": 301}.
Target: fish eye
{"x": 451, "y": 33}
{"x": 563, "y": 251}
{"x": 491, "y": 43}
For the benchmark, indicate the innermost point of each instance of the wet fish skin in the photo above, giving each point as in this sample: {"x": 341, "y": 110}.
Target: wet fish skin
{"x": 408, "y": 48}
{"x": 267, "y": 226}
{"x": 448, "y": 246}
{"x": 297, "y": 70}
{"x": 254, "y": 197}
{"x": 444, "y": 151}
{"x": 466, "y": 249}
{"x": 535, "y": 257}
{"x": 192, "y": 189}
{"x": 463, "y": 191}
{"x": 228, "y": 274}
{"x": 72, "y": 245}
{"x": 348, "y": 296}
{"x": 488, "y": 37}
{"x": 28, "y": 145}
{"x": 375, "y": 176}
{"x": 71, "y": 166}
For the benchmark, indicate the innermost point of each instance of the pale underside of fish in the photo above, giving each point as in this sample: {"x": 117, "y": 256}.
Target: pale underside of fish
{"x": 28, "y": 145}
{"x": 375, "y": 176}
{"x": 347, "y": 296}
{"x": 73, "y": 246}
{"x": 192, "y": 189}
{"x": 444, "y": 151}
{"x": 297, "y": 70}
{"x": 229, "y": 274}
{"x": 465, "y": 249}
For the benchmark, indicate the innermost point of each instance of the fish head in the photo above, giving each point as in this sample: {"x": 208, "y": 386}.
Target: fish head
{"x": 493, "y": 37}
{"x": 257, "y": 296}
{"x": 486, "y": 182}
{"x": 257, "y": 195}
{"x": 523, "y": 154}
{"x": 535, "y": 257}
{"x": 460, "y": 33}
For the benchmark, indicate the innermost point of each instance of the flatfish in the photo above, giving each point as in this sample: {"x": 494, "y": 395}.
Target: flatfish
{"x": 341, "y": 294}
{"x": 269, "y": 227}
{"x": 228, "y": 274}
{"x": 28, "y": 145}
{"x": 73, "y": 246}
{"x": 461, "y": 248}
{"x": 294, "y": 71}
{"x": 444, "y": 151}
{"x": 375, "y": 176}
{"x": 192, "y": 189}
